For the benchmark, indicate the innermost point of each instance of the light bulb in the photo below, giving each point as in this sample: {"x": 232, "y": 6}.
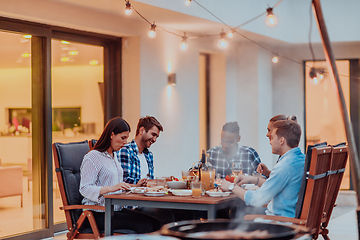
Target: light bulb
{"x": 128, "y": 10}
{"x": 152, "y": 32}
{"x": 222, "y": 43}
{"x": 271, "y": 19}
{"x": 275, "y": 59}
{"x": 187, "y": 2}
{"x": 183, "y": 45}
{"x": 231, "y": 34}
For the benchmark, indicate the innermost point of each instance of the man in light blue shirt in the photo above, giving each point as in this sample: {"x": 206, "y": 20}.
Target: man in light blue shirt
{"x": 282, "y": 187}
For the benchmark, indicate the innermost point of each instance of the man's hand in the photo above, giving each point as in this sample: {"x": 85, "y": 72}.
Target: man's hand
{"x": 263, "y": 169}
{"x": 242, "y": 179}
{"x": 225, "y": 185}
{"x": 141, "y": 183}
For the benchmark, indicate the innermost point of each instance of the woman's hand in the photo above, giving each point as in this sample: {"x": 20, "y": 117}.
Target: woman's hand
{"x": 121, "y": 186}
{"x": 141, "y": 183}
{"x": 263, "y": 169}
{"x": 242, "y": 179}
{"x": 225, "y": 185}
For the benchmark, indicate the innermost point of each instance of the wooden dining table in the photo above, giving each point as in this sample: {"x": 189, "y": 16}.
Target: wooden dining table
{"x": 203, "y": 203}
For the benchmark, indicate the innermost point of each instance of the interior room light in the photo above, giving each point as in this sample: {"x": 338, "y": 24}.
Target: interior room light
{"x": 223, "y": 43}
{"x": 187, "y": 2}
{"x": 231, "y": 34}
{"x": 152, "y": 32}
{"x": 27, "y": 36}
{"x": 93, "y": 62}
{"x": 275, "y": 59}
{"x": 314, "y": 76}
{"x": 64, "y": 59}
{"x": 128, "y": 10}
{"x": 183, "y": 45}
{"x": 65, "y": 42}
{"x": 73, "y": 53}
{"x": 320, "y": 74}
{"x": 26, "y": 55}
{"x": 271, "y": 19}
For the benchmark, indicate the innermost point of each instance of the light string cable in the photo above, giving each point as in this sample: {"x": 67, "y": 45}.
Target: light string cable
{"x": 309, "y": 37}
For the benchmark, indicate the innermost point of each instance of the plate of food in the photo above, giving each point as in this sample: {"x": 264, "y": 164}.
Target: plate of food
{"x": 217, "y": 193}
{"x": 249, "y": 186}
{"x": 182, "y": 192}
{"x": 138, "y": 189}
{"x": 155, "y": 191}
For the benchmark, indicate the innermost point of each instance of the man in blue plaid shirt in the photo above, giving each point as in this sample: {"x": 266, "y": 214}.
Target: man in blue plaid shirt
{"x": 222, "y": 157}
{"x": 135, "y": 157}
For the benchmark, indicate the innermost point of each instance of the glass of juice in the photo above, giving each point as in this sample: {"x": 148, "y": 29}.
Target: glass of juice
{"x": 185, "y": 174}
{"x": 196, "y": 189}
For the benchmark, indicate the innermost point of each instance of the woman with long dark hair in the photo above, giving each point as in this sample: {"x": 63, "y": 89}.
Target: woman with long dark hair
{"x": 101, "y": 173}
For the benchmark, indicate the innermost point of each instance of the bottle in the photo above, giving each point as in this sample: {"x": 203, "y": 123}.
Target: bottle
{"x": 207, "y": 173}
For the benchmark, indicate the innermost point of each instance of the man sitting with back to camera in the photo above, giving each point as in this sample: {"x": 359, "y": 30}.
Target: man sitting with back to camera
{"x": 283, "y": 185}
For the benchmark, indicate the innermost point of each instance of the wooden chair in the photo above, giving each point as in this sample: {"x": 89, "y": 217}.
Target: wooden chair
{"x": 314, "y": 198}
{"x": 92, "y": 143}
{"x": 337, "y": 169}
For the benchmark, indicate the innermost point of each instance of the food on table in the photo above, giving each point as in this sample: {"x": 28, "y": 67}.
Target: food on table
{"x": 172, "y": 178}
{"x": 156, "y": 189}
{"x": 230, "y": 179}
{"x": 231, "y": 234}
{"x": 215, "y": 190}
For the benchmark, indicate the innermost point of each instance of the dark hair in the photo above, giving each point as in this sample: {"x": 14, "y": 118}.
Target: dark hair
{"x": 148, "y": 122}
{"x": 290, "y": 130}
{"x": 283, "y": 117}
{"x": 116, "y": 125}
{"x": 232, "y": 127}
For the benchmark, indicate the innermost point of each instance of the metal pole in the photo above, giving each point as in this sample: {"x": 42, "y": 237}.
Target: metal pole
{"x": 330, "y": 59}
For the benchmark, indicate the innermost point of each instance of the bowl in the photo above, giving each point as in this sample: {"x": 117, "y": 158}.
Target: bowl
{"x": 176, "y": 184}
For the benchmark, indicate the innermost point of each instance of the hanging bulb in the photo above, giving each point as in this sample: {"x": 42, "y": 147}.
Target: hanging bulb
{"x": 152, "y": 32}
{"x": 231, "y": 34}
{"x": 222, "y": 43}
{"x": 313, "y": 76}
{"x": 183, "y": 45}
{"x": 187, "y": 2}
{"x": 271, "y": 19}
{"x": 320, "y": 74}
{"x": 128, "y": 10}
{"x": 275, "y": 59}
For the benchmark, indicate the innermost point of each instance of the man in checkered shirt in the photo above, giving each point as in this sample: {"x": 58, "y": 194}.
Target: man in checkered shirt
{"x": 222, "y": 157}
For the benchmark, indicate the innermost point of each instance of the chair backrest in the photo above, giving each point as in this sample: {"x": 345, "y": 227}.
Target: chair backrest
{"x": 337, "y": 169}
{"x": 68, "y": 158}
{"x": 300, "y": 201}
{"x": 92, "y": 143}
{"x": 314, "y": 198}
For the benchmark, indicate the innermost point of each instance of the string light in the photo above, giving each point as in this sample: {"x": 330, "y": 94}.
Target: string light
{"x": 152, "y": 32}
{"x": 271, "y": 19}
{"x": 128, "y": 10}
{"x": 275, "y": 59}
{"x": 231, "y": 34}
{"x": 183, "y": 45}
{"x": 223, "y": 43}
{"x": 187, "y": 2}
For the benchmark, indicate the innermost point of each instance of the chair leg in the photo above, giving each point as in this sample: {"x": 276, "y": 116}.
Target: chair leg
{"x": 93, "y": 224}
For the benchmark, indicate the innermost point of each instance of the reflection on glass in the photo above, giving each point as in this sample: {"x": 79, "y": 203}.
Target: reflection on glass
{"x": 77, "y": 98}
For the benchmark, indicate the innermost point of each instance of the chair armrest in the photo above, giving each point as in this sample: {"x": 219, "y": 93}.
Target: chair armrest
{"x": 276, "y": 218}
{"x": 86, "y": 207}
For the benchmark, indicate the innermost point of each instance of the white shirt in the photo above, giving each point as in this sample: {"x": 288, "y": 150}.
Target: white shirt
{"x": 144, "y": 169}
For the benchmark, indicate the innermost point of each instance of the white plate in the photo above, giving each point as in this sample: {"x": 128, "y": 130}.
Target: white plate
{"x": 137, "y": 189}
{"x": 154, "y": 194}
{"x": 182, "y": 192}
{"x": 218, "y": 194}
{"x": 249, "y": 186}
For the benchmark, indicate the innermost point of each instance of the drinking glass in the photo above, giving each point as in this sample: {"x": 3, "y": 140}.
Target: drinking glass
{"x": 185, "y": 174}
{"x": 151, "y": 183}
{"x": 160, "y": 181}
{"x": 237, "y": 169}
{"x": 196, "y": 189}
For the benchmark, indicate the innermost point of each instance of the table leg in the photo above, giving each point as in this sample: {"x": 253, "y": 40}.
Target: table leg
{"x": 211, "y": 212}
{"x": 109, "y": 214}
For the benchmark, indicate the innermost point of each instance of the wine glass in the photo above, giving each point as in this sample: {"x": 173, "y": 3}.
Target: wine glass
{"x": 237, "y": 168}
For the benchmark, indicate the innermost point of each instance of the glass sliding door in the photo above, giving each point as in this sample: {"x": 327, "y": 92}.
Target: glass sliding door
{"x": 77, "y": 98}
{"x": 22, "y": 174}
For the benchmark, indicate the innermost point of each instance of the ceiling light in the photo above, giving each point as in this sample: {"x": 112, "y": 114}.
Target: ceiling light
{"x": 271, "y": 19}
{"x": 187, "y": 2}
{"x": 73, "y": 53}
{"x": 231, "y": 34}
{"x": 152, "y": 32}
{"x": 94, "y": 62}
{"x": 222, "y": 43}
{"x": 128, "y": 10}
{"x": 64, "y": 59}
{"x": 65, "y": 42}
{"x": 27, "y": 36}
{"x": 275, "y": 59}
{"x": 183, "y": 45}
{"x": 26, "y": 55}
{"x": 316, "y": 75}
